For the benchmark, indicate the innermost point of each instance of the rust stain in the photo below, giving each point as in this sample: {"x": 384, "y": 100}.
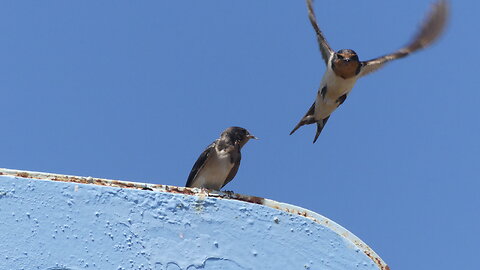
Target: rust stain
{"x": 377, "y": 261}
{"x": 250, "y": 199}
{"x": 174, "y": 189}
{"x": 22, "y": 174}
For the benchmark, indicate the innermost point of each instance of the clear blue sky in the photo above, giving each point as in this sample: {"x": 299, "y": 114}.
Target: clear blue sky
{"x": 136, "y": 90}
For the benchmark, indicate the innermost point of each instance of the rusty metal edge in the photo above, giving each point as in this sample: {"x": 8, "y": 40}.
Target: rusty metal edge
{"x": 207, "y": 193}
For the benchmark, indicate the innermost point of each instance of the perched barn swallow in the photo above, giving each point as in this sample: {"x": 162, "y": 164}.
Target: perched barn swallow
{"x": 219, "y": 163}
{"x": 344, "y": 68}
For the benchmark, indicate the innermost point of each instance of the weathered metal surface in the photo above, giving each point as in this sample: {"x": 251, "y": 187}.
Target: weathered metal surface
{"x": 32, "y": 206}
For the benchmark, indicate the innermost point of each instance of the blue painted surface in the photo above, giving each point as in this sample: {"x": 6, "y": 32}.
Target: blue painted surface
{"x": 59, "y": 225}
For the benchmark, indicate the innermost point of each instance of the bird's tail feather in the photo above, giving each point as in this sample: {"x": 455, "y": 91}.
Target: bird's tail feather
{"x": 307, "y": 120}
{"x": 320, "y": 126}
{"x": 296, "y": 127}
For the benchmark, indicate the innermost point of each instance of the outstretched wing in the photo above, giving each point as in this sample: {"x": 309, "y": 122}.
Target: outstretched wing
{"x": 322, "y": 41}
{"x": 199, "y": 164}
{"x": 431, "y": 29}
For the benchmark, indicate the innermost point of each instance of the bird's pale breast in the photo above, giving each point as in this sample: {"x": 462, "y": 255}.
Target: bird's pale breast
{"x": 336, "y": 87}
{"x": 215, "y": 171}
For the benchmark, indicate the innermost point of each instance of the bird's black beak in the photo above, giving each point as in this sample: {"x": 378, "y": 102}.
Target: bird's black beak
{"x": 250, "y": 136}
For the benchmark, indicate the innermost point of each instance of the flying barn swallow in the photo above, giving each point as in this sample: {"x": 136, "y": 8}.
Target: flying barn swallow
{"x": 219, "y": 163}
{"x": 344, "y": 68}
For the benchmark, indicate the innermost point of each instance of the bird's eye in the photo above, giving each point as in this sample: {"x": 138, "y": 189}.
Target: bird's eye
{"x": 339, "y": 56}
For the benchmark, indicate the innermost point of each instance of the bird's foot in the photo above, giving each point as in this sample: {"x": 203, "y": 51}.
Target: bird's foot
{"x": 229, "y": 192}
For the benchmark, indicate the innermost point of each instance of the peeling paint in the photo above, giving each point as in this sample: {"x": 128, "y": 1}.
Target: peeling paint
{"x": 177, "y": 208}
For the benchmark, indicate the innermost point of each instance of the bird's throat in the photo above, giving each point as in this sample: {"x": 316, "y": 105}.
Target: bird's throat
{"x": 345, "y": 70}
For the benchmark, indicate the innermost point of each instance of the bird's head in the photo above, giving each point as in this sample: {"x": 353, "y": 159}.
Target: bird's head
{"x": 346, "y": 55}
{"x": 237, "y": 135}
{"x": 345, "y": 63}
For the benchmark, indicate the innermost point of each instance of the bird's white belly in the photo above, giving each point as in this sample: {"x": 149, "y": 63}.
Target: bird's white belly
{"x": 215, "y": 172}
{"x": 336, "y": 87}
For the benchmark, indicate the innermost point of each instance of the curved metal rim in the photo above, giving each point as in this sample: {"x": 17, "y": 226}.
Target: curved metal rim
{"x": 208, "y": 193}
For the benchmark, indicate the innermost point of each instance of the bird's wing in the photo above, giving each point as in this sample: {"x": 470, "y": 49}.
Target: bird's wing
{"x": 322, "y": 41}
{"x": 199, "y": 164}
{"x": 430, "y": 30}
{"x": 236, "y": 160}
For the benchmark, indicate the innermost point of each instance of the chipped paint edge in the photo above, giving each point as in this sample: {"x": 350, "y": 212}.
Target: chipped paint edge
{"x": 208, "y": 193}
